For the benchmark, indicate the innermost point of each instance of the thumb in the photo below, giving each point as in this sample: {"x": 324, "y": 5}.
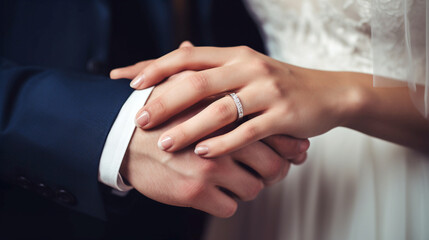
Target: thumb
{"x": 186, "y": 44}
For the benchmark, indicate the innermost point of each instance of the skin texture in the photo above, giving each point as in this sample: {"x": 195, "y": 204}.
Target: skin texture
{"x": 212, "y": 185}
{"x": 280, "y": 99}
{"x": 285, "y": 146}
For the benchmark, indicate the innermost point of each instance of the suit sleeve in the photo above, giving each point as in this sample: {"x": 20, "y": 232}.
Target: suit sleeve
{"x": 53, "y": 126}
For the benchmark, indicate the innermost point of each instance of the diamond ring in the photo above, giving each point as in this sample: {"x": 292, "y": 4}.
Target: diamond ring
{"x": 238, "y": 105}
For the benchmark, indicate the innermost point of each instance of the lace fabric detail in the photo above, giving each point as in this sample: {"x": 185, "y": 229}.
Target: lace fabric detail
{"x": 351, "y": 181}
{"x": 386, "y": 38}
{"x": 346, "y": 190}
{"x": 400, "y": 44}
{"x": 321, "y": 34}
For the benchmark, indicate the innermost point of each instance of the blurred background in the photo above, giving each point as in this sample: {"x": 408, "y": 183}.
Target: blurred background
{"x": 86, "y": 39}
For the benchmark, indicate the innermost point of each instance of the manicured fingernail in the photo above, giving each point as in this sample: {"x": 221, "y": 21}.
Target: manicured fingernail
{"x": 165, "y": 143}
{"x": 201, "y": 150}
{"x": 303, "y": 146}
{"x": 137, "y": 81}
{"x": 142, "y": 119}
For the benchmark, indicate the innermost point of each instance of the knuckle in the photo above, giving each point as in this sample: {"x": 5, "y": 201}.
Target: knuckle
{"x": 185, "y": 52}
{"x": 274, "y": 169}
{"x": 180, "y": 76}
{"x": 245, "y": 51}
{"x": 153, "y": 67}
{"x": 199, "y": 81}
{"x": 262, "y": 67}
{"x": 185, "y": 74}
{"x": 223, "y": 112}
{"x": 208, "y": 167}
{"x": 158, "y": 106}
{"x": 293, "y": 147}
{"x": 251, "y": 132}
{"x": 253, "y": 190}
{"x": 301, "y": 158}
{"x": 229, "y": 210}
{"x": 190, "y": 191}
{"x": 274, "y": 88}
{"x": 286, "y": 146}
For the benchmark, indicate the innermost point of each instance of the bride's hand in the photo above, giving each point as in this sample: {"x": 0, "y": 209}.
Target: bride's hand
{"x": 289, "y": 148}
{"x": 132, "y": 71}
{"x": 278, "y": 98}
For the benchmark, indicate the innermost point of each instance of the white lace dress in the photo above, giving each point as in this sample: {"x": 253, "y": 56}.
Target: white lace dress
{"x": 352, "y": 186}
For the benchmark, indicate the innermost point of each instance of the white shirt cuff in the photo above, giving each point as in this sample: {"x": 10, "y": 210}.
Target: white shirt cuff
{"x": 118, "y": 139}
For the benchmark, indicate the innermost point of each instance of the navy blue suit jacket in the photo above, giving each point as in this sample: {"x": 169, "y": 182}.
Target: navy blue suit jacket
{"x": 57, "y": 104}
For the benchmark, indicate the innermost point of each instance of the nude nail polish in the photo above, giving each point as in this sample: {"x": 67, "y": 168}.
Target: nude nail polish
{"x": 201, "y": 150}
{"x": 137, "y": 81}
{"x": 142, "y": 119}
{"x": 165, "y": 143}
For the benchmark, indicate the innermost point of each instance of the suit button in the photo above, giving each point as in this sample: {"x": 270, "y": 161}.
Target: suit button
{"x": 96, "y": 67}
{"x": 24, "y": 182}
{"x": 44, "y": 190}
{"x": 65, "y": 197}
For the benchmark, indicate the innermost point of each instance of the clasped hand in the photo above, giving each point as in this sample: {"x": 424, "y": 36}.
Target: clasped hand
{"x": 212, "y": 185}
{"x": 236, "y": 170}
{"x": 277, "y": 98}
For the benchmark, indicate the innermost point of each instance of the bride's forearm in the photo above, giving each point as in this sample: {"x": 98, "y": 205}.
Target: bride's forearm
{"x": 278, "y": 98}
{"x": 386, "y": 113}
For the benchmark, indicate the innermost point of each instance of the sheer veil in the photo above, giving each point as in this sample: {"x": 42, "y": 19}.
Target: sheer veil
{"x": 400, "y": 42}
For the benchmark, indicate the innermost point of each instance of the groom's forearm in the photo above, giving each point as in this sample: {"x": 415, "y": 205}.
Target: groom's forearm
{"x": 53, "y": 126}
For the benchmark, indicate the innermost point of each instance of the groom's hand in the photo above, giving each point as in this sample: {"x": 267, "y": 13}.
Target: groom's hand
{"x": 185, "y": 179}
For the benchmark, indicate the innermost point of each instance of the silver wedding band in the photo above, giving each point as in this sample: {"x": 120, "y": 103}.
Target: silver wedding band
{"x": 238, "y": 105}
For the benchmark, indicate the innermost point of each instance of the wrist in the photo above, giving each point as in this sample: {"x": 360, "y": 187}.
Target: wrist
{"x": 356, "y": 98}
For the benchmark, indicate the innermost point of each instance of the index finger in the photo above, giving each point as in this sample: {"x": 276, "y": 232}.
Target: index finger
{"x": 129, "y": 72}
{"x": 185, "y": 58}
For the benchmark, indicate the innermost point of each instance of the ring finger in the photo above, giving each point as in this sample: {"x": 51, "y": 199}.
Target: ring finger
{"x": 217, "y": 115}
{"x": 191, "y": 89}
